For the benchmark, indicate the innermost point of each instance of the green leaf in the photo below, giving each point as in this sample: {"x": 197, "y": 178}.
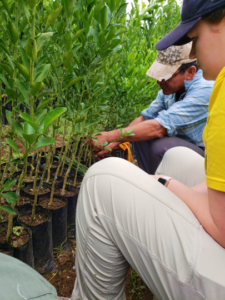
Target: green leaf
{"x": 79, "y": 120}
{"x": 53, "y": 115}
{"x": 72, "y": 82}
{"x": 30, "y": 138}
{"x": 77, "y": 34}
{"x": 17, "y": 126}
{"x": 23, "y": 24}
{"x": 8, "y": 209}
{"x": 39, "y": 115}
{"x": 26, "y": 61}
{"x": 25, "y": 9}
{"x": 28, "y": 119}
{"x": 52, "y": 17}
{"x": 8, "y": 114}
{"x": 43, "y": 40}
{"x": 9, "y": 184}
{"x": 43, "y": 104}
{"x": 43, "y": 143}
{"x": 4, "y": 80}
{"x": 11, "y": 93}
{"x": 4, "y": 47}
{"x": 68, "y": 5}
{"x": 10, "y": 197}
{"x": 68, "y": 58}
{"x": 31, "y": 49}
{"x": 23, "y": 89}
{"x": 104, "y": 17}
{"x": 12, "y": 144}
{"x": 23, "y": 70}
{"x": 12, "y": 31}
{"x": 6, "y": 6}
{"x": 44, "y": 73}
{"x": 67, "y": 41}
{"x": 8, "y": 69}
{"x": 50, "y": 59}
{"x": 36, "y": 87}
{"x": 122, "y": 131}
{"x": 32, "y": 3}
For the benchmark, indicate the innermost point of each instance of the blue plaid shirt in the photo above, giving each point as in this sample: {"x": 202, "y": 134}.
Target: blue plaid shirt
{"x": 185, "y": 118}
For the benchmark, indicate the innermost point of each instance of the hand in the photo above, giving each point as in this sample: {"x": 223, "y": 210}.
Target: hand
{"x": 102, "y": 138}
{"x": 102, "y": 152}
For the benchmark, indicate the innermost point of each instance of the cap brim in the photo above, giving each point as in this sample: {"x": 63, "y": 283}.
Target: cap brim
{"x": 161, "y": 72}
{"x": 178, "y": 36}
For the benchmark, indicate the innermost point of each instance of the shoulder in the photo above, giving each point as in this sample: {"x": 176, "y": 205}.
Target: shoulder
{"x": 200, "y": 83}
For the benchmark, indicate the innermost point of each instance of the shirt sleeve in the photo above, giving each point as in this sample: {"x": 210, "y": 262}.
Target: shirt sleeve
{"x": 215, "y": 140}
{"x": 184, "y": 113}
{"x": 155, "y": 107}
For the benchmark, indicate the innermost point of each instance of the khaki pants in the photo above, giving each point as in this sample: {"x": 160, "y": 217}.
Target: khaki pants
{"x": 124, "y": 217}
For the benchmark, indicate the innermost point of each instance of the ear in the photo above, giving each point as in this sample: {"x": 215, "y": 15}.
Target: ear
{"x": 190, "y": 73}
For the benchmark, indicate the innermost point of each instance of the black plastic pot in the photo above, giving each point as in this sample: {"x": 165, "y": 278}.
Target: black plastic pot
{"x": 42, "y": 240}
{"x": 45, "y": 195}
{"x": 71, "y": 211}
{"x": 25, "y": 252}
{"x": 6, "y": 248}
{"x": 59, "y": 225}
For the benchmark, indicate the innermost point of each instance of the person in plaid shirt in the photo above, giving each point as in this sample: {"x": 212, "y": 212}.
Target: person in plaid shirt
{"x": 176, "y": 117}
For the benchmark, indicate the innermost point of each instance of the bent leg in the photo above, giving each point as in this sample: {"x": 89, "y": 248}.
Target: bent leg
{"x": 183, "y": 164}
{"x": 126, "y": 217}
{"x": 150, "y": 153}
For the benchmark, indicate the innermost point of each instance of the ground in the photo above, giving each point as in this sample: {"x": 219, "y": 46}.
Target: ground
{"x": 63, "y": 279}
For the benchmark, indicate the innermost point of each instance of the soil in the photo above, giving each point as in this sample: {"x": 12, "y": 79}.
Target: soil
{"x": 23, "y": 200}
{"x": 70, "y": 182}
{"x": 43, "y": 190}
{"x": 63, "y": 173}
{"x": 4, "y": 217}
{"x": 38, "y": 219}
{"x": 57, "y": 203}
{"x": 3, "y": 231}
{"x": 5, "y": 252}
{"x": 66, "y": 194}
{"x": 18, "y": 241}
{"x": 63, "y": 279}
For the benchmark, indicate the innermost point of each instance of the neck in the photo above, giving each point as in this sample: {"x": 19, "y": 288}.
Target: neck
{"x": 179, "y": 93}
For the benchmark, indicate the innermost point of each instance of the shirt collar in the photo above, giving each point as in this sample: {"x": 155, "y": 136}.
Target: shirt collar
{"x": 188, "y": 83}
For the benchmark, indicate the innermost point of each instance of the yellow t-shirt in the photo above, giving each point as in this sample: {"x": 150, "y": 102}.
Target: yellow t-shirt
{"x": 214, "y": 137}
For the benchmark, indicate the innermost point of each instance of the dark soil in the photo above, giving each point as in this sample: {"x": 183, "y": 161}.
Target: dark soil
{"x": 66, "y": 194}
{"x": 23, "y": 200}
{"x": 4, "y": 217}
{"x": 18, "y": 241}
{"x": 43, "y": 190}
{"x": 38, "y": 219}
{"x": 70, "y": 182}
{"x": 64, "y": 278}
{"x": 5, "y": 252}
{"x": 57, "y": 203}
{"x": 3, "y": 233}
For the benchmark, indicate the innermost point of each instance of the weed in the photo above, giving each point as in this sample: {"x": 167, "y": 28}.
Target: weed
{"x": 138, "y": 287}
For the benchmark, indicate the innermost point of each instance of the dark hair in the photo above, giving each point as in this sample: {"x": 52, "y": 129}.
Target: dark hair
{"x": 216, "y": 16}
{"x": 183, "y": 68}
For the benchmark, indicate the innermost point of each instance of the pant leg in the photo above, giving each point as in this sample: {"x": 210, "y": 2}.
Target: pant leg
{"x": 150, "y": 153}
{"x": 183, "y": 164}
{"x": 126, "y": 217}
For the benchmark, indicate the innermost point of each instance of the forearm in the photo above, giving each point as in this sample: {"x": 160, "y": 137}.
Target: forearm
{"x": 198, "y": 203}
{"x": 136, "y": 121}
{"x": 143, "y": 131}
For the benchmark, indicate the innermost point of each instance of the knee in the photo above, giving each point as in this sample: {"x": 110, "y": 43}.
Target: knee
{"x": 112, "y": 165}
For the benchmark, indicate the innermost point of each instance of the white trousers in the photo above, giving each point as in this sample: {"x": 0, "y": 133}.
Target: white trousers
{"x": 124, "y": 217}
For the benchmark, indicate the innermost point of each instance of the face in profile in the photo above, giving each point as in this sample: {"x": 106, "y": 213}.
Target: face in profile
{"x": 208, "y": 47}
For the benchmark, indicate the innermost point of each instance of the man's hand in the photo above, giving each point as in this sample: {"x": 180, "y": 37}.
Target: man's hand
{"x": 101, "y": 153}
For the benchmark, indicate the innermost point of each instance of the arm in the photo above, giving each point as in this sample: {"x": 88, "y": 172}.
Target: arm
{"x": 100, "y": 154}
{"x": 209, "y": 208}
{"x": 143, "y": 131}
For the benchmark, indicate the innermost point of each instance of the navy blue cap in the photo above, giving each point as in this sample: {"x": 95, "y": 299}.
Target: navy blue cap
{"x": 191, "y": 13}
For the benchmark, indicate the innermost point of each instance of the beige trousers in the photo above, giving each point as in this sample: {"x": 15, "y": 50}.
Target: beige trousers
{"x": 124, "y": 217}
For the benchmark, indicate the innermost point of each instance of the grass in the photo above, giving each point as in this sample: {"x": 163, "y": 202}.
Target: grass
{"x": 138, "y": 287}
